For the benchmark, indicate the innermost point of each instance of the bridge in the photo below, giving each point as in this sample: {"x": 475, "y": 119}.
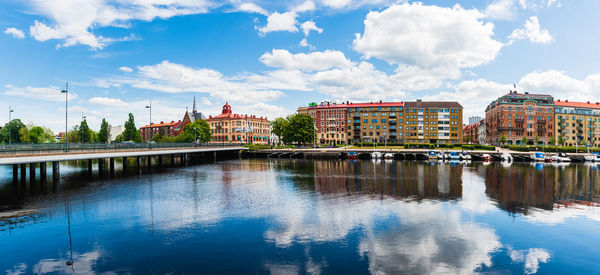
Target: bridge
{"x": 21, "y": 159}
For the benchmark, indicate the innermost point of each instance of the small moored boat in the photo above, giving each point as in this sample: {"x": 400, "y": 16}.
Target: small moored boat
{"x": 538, "y": 157}
{"x": 506, "y": 157}
{"x": 561, "y": 157}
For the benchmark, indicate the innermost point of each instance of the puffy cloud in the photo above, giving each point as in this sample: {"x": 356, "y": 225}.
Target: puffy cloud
{"x": 353, "y": 4}
{"x": 307, "y": 5}
{"x": 310, "y": 26}
{"x": 304, "y": 43}
{"x": 538, "y": 4}
{"x": 107, "y": 101}
{"x": 16, "y": 33}
{"x": 40, "y": 93}
{"x": 280, "y": 22}
{"x": 501, "y": 9}
{"x": 126, "y": 69}
{"x": 532, "y": 31}
{"x": 73, "y": 21}
{"x": 562, "y": 86}
{"x": 314, "y": 61}
{"x": 251, "y": 8}
{"x": 429, "y": 37}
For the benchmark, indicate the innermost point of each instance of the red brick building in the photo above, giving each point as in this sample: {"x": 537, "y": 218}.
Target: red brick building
{"x": 518, "y": 116}
{"x": 330, "y": 121}
{"x": 470, "y": 133}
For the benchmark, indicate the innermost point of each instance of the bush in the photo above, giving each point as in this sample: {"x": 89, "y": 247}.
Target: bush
{"x": 519, "y": 148}
{"x": 467, "y": 147}
{"x": 254, "y": 147}
{"x": 485, "y": 147}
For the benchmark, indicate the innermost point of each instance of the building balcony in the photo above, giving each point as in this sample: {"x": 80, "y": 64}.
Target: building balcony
{"x": 541, "y": 122}
{"x": 518, "y": 120}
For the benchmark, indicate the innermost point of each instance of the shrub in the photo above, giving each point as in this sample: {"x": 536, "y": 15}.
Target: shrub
{"x": 484, "y": 147}
{"x": 519, "y": 148}
{"x": 467, "y": 147}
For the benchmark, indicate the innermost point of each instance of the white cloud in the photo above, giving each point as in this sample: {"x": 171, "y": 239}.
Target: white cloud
{"x": 280, "y": 22}
{"x": 74, "y": 21}
{"x": 501, "y": 9}
{"x": 314, "y": 61}
{"x": 126, "y": 69}
{"x": 307, "y": 5}
{"x": 310, "y": 26}
{"x": 16, "y": 33}
{"x": 538, "y": 4}
{"x": 251, "y": 8}
{"x": 562, "y": 86}
{"x": 532, "y": 31}
{"x": 429, "y": 38}
{"x": 354, "y": 4}
{"x": 107, "y": 101}
{"x": 39, "y": 93}
{"x": 304, "y": 43}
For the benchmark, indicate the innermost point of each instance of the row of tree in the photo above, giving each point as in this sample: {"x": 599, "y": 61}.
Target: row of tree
{"x": 294, "y": 129}
{"x": 17, "y": 132}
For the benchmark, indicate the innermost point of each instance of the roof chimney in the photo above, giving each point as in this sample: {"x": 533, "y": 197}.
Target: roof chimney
{"x": 559, "y": 100}
{"x": 566, "y": 100}
{"x": 588, "y": 102}
{"x": 380, "y": 101}
{"x": 161, "y": 122}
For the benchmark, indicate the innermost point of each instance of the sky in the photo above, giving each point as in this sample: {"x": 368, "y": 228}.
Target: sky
{"x": 268, "y": 58}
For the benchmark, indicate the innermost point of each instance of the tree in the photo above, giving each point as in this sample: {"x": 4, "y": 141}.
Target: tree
{"x": 160, "y": 137}
{"x": 200, "y": 130}
{"x": 36, "y": 135}
{"x": 552, "y": 141}
{"x": 503, "y": 139}
{"x": 561, "y": 140}
{"x": 300, "y": 129}
{"x": 537, "y": 140}
{"x": 85, "y": 135}
{"x": 278, "y": 126}
{"x": 14, "y": 129}
{"x": 103, "y": 134}
{"x": 73, "y": 135}
{"x": 131, "y": 133}
{"x": 524, "y": 141}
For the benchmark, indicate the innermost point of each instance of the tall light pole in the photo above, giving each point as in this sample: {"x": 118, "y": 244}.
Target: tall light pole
{"x": 66, "y": 92}
{"x": 150, "y": 124}
{"x": 80, "y": 131}
{"x": 10, "y": 110}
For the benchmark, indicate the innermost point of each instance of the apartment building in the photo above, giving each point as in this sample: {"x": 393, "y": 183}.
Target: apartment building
{"x": 433, "y": 122}
{"x": 520, "y": 115}
{"x": 375, "y": 122}
{"x": 330, "y": 121}
{"x": 577, "y": 123}
{"x": 234, "y": 128}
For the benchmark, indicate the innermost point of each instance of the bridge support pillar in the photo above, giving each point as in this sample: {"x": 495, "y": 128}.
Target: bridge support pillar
{"x": 89, "y": 166}
{"x": 15, "y": 173}
{"x": 23, "y": 172}
{"x": 172, "y": 159}
{"x": 101, "y": 167}
{"x": 55, "y": 172}
{"x": 111, "y": 166}
{"x": 138, "y": 161}
{"x": 160, "y": 161}
{"x": 124, "y": 164}
{"x": 43, "y": 172}
{"x": 215, "y": 156}
{"x": 32, "y": 173}
{"x": 149, "y": 160}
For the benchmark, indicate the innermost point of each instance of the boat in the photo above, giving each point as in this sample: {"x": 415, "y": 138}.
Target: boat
{"x": 352, "y": 155}
{"x": 464, "y": 155}
{"x": 591, "y": 157}
{"x": 561, "y": 157}
{"x": 388, "y": 156}
{"x": 538, "y": 157}
{"x": 376, "y": 155}
{"x": 454, "y": 156}
{"x": 442, "y": 156}
{"x": 506, "y": 157}
{"x": 432, "y": 155}
{"x": 487, "y": 157}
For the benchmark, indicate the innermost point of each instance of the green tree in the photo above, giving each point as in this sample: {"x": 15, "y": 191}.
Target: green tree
{"x": 103, "y": 134}
{"x": 278, "y": 127}
{"x": 199, "y": 129}
{"x": 36, "y": 135}
{"x": 131, "y": 133}
{"x": 537, "y": 140}
{"x": 561, "y": 140}
{"x": 552, "y": 141}
{"x": 524, "y": 141}
{"x": 24, "y": 135}
{"x": 85, "y": 134}
{"x": 160, "y": 137}
{"x": 502, "y": 139}
{"x": 300, "y": 129}
{"x": 12, "y": 131}
{"x": 73, "y": 135}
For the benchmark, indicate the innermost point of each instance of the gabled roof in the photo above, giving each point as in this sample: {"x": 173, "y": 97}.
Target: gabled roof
{"x": 162, "y": 124}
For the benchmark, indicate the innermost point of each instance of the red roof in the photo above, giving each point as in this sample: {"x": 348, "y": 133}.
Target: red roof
{"x": 226, "y": 113}
{"x": 566, "y": 103}
{"x": 162, "y": 124}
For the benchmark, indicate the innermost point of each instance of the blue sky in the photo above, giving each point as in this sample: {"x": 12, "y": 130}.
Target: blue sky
{"x": 269, "y": 57}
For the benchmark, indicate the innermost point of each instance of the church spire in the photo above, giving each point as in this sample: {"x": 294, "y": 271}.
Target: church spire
{"x": 194, "y": 108}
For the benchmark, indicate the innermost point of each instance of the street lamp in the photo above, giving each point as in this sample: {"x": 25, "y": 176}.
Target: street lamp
{"x": 80, "y": 130}
{"x": 66, "y": 92}
{"x": 10, "y": 110}
{"x": 150, "y": 108}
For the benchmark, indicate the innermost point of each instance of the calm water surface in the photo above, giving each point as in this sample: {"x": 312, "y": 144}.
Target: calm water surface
{"x": 299, "y": 216}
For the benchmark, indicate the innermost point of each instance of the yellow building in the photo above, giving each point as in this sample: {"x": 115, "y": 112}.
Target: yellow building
{"x": 577, "y": 123}
{"x": 432, "y": 122}
{"x": 241, "y": 129}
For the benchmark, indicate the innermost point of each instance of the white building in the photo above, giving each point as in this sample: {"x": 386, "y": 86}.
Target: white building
{"x": 474, "y": 119}
{"x": 114, "y": 131}
{"x": 481, "y": 132}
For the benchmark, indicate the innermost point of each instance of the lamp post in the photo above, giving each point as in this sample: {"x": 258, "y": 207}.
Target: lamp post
{"x": 150, "y": 124}
{"x": 10, "y": 110}
{"x": 66, "y": 92}
{"x": 80, "y": 130}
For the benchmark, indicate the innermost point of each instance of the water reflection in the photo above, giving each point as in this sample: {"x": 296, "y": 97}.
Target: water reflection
{"x": 303, "y": 216}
